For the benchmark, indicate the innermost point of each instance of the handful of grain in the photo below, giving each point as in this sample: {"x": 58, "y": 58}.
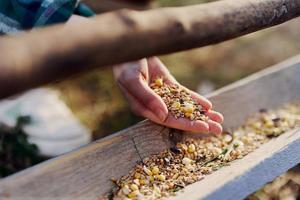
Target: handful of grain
{"x": 178, "y": 100}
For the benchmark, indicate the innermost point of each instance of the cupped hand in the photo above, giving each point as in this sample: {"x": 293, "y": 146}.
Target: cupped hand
{"x": 134, "y": 78}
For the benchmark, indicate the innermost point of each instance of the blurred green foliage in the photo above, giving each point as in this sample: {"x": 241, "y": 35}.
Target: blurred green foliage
{"x": 16, "y": 152}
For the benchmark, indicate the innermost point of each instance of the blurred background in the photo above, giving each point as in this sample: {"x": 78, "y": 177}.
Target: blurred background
{"x": 97, "y": 102}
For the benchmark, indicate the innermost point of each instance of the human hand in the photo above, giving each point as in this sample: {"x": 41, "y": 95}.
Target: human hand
{"x": 133, "y": 79}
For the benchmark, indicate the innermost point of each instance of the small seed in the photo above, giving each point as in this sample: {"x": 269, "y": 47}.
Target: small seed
{"x": 161, "y": 177}
{"x": 136, "y": 181}
{"x": 125, "y": 189}
{"x": 159, "y": 82}
{"x": 137, "y": 175}
{"x": 134, "y": 187}
{"x": 191, "y": 148}
{"x": 147, "y": 171}
{"x": 151, "y": 179}
{"x": 155, "y": 170}
{"x": 186, "y": 161}
{"x": 133, "y": 194}
{"x": 176, "y": 105}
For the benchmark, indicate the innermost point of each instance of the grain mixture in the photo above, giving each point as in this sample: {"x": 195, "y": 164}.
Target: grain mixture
{"x": 166, "y": 173}
{"x": 178, "y": 100}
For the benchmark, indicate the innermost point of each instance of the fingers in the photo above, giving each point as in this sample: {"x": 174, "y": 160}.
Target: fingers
{"x": 214, "y": 127}
{"x": 133, "y": 78}
{"x": 147, "y": 97}
{"x": 215, "y": 116}
{"x": 187, "y": 125}
{"x": 201, "y": 100}
{"x": 138, "y": 108}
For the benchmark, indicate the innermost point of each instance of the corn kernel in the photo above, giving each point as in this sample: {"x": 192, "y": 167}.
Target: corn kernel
{"x": 159, "y": 82}
{"x": 151, "y": 179}
{"x": 137, "y": 175}
{"x": 187, "y": 114}
{"x": 176, "y": 105}
{"x": 155, "y": 170}
{"x": 143, "y": 182}
{"x": 133, "y": 194}
{"x": 161, "y": 177}
{"x": 134, "y": 187}
{"x": 269, "y": 124}
{"x": 188, "y": 108}
{"x": 191, "y": 148}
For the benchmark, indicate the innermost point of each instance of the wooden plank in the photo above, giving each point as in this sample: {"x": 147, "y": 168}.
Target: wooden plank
{"x": 85, "y": 173}
{"x": 53, "y": 53}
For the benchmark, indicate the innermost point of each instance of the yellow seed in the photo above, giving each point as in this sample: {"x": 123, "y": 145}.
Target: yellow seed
{"x": 188, "y": 108}
{"x": 155, "y": 170}
{"x": 132, "y": 195}
{"x": 176, "y": 105}
{"x": 143, "y": 182}
{"x": 269, "y": 124}
{"x": 191, "y": 148}
{"x": 151, "y": 179}
{"x": 256, "y": 125}
{"x": 134, "y": 187}
{"x": 161, "y": 177}
{"x": 137, "y": 175}
{"x": 147, "y": 171}
{"x": 159, "y": 82}
{"x": 188, "y": 115}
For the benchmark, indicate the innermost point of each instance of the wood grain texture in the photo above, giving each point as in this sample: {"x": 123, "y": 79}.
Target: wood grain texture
{"x": 56, "y": 52}
{"x": 85, "y": 173}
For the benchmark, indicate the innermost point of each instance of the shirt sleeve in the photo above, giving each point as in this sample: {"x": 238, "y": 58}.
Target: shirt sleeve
{"x": 32, "y": 13}
{"x": 17, "y": 15}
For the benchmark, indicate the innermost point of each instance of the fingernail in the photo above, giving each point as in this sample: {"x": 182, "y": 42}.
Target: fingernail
{"x": 161, "y": 115}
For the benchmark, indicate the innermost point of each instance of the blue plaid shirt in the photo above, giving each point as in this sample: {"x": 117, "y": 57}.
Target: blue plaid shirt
{"x": 17, "y": 15}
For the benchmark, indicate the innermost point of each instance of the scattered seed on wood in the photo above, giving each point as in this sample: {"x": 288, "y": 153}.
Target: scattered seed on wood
{"x": 168, "y": 172}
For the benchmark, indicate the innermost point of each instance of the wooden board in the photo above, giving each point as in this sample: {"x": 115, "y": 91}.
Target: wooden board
{"x": 85, "y": 173}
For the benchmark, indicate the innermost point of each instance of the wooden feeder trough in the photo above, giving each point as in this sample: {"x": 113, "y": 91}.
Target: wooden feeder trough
{"x": 36, "y": 58}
